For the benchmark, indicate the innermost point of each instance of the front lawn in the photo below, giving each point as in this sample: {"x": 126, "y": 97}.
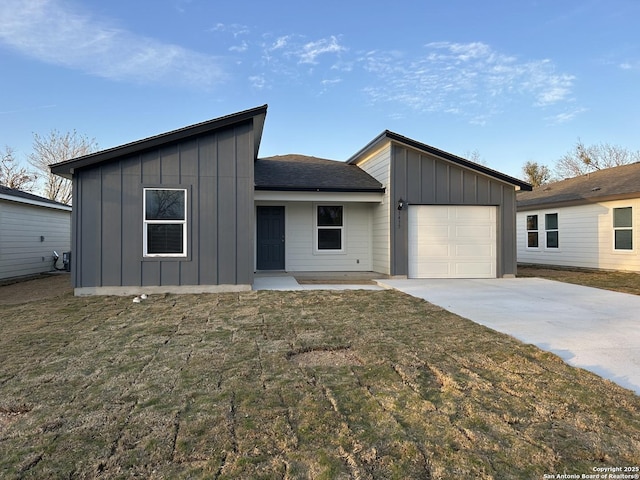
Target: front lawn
{"x": 310, "y": 384}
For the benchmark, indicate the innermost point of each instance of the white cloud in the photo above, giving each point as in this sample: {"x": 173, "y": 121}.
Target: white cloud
{"x": 472, "y": 79}
{"x": 53, "y": 33}
{"x": 312, "y": 50}
{"x": 629, "y": 65}
{"x": 236, "y": 29}
{"x": 564, "y": 117}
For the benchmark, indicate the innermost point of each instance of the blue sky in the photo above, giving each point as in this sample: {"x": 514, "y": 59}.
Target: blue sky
{"x": 512, "y": 80}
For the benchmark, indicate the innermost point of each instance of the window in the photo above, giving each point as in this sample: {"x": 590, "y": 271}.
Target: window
{"x": 622, "y": 228}
{"x": 551, "y": 228}
{"x": 329, "y": 227}
{"x": 532, "y": 231}
{"x": 165, "y": 222}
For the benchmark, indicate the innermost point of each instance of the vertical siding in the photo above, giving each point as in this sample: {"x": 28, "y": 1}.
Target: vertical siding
{"x": 378, "y": 166}
{"x": 585, "y": 235}
{"x": 216, "y": 169}
{"x": 423, "y": 179}
{"x": 22, "y": 252}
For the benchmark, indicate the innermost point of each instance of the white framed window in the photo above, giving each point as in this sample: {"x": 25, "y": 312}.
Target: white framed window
{"x": 551, "y": 230}
{"x": 623, "y": 228}
{"x": 329, "y": 229}
{"x": 165, "y": 222}
{"x": 532, "y": 231}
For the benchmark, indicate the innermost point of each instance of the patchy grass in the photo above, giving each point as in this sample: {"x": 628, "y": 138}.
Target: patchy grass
{"x": 625, "y": 282}
{"x": 293, "y": 385}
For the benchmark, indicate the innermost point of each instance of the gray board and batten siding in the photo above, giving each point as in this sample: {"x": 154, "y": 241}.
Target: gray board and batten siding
{"x": 213, "y": 163}
{"x": 424, "y": 175}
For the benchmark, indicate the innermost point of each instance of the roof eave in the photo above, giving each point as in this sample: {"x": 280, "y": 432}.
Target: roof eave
{"x": 395, "y": 137}
{"x": 258, "y": 114}
{"x": 522, "y": 207}
{"x": 285, "y": 188}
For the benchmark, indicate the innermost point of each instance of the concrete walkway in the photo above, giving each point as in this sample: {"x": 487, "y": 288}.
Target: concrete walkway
{"x": 286, "y": 282}
{"x": 590, "y": 328}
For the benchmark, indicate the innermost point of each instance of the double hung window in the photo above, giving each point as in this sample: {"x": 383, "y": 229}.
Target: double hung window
{"x": 532, "y": 231}
{"x": 623, "y": 228}
{"x": 551, "y": 229}
{"x": 165, "y": 222}
{"x": 329, "y": 228}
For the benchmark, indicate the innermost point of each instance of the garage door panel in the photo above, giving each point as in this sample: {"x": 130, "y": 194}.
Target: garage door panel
{"x": 473, "y": 252}
{"x": 436, "y": 269}
{"x": 473, "y": 269}
{"x": 473, "y": 213}
{"x": 452, "y": 241}
{"x": 477, "y": 231}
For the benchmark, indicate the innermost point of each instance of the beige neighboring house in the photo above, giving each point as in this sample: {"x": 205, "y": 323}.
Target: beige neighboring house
{"x": 31, "y": 229}
{"x": 589, "y": 221}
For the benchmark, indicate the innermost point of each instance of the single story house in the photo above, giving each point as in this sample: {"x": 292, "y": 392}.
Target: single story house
{"x": 590, "y": 221}
{"x": 196, "y": 210}
{"x": 31, "y": 229}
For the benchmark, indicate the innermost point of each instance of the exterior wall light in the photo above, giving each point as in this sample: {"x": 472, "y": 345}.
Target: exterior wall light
{"x": 401, "y": 204}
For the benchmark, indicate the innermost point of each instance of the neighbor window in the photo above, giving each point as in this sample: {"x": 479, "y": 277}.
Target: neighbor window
{"x": 622, "y": 228}
{"x": 551, "y": 229}
{"x": 532, "y": 231}
{"x": 165, "y": 222}
{"x": 329, "y": 227}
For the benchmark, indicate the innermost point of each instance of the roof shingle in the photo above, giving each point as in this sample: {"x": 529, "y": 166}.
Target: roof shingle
{"x": 617, "y": 182}
{"x": 304, "y": 173}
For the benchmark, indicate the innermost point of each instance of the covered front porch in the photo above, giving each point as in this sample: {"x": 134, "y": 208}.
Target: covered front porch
{"x": 282, "y": 280}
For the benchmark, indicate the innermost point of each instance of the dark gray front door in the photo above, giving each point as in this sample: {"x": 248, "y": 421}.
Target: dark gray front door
{"x": 270, "y": 238}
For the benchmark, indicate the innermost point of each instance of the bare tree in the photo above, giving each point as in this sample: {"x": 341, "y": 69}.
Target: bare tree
{"x": 475, "y": 157}
{"x": 58, "y": 147}
{"x": 584, "y": 159}
{"x": 536, "y": 174}
{"x": 12, "y": 175}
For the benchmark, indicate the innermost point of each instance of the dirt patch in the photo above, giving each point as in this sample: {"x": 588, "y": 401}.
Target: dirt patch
{"x": 204, "y": 386}
{"x": 326, "y": 358}
{"x": 42, "y": 287}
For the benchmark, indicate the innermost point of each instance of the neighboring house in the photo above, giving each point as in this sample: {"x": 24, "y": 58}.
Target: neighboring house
{"x": 589, "y": 221}
{"x": 196, "y": 210}
{"x": 31, "y": 229}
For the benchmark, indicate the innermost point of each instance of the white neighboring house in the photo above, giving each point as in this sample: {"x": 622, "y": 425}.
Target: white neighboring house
{"x": 31, "y": 229}
{"x": 589, "y": 221}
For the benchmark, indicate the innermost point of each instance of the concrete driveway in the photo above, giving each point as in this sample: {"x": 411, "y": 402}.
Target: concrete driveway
{"x": 594, "y": 329}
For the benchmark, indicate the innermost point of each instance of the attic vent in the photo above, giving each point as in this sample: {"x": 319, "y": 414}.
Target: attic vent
{"x": 595, "y": 189}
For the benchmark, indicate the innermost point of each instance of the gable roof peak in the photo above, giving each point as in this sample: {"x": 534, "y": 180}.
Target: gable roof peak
{"x": 390, "y": 136}
{"x": 66, "y": 168}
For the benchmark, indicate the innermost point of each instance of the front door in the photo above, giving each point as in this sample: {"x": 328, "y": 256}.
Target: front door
{"x": 270, "y": 238}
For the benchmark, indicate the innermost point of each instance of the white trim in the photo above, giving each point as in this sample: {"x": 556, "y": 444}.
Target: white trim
{"x": 615, "y": 229}
{"x": 527, "y": 231}
{"x": 316, "y": 228}
{"x": 339, "y": 197}
{"x": 547, "y": 230}
{"x": 37, "y": 203}
{"x": 146, "y": 223}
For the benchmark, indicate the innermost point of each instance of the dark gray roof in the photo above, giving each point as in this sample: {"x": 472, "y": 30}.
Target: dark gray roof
{"x": 388, "y": 135}
{"x": 20, "y": 195}
{"x": 608, "y": 184}
{"x": 257, "y": 114}
{"x": 303, "y": 173}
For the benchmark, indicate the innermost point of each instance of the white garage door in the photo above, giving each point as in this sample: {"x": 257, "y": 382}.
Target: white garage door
{"x": 452, "y": 241}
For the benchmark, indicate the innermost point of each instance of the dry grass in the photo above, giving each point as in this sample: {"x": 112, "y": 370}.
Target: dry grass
{"x": 625, "y": 282}
{"x": 288, "y": 385}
